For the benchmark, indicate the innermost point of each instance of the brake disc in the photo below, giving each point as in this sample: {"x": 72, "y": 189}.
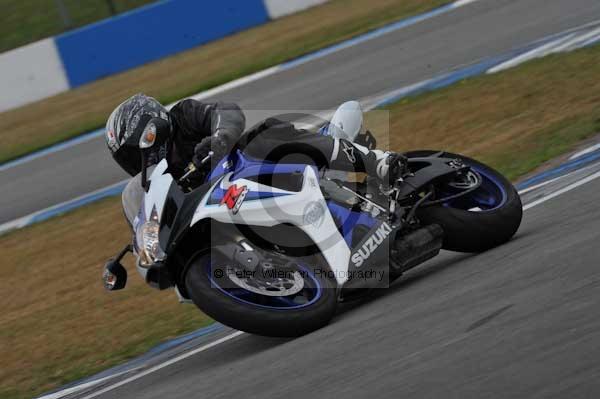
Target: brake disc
{"x": 291, "y": 284}
{"x": 469, "y": 180}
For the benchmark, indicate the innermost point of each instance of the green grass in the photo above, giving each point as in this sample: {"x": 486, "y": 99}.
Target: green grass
{"x": 26, "y": 21}
{"x": 559, "y": 138}
{"x": 66, "y": 115}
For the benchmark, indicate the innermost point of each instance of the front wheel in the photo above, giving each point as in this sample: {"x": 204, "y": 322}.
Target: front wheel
{"x": 275, "y": 303}
{"x": 482, "y": 219}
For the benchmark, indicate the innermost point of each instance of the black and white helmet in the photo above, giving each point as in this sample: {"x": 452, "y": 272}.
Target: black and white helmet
{"x": 124, "y": 129}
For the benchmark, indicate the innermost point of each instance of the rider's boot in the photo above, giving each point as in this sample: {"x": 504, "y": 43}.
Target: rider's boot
{"x": 351, "y": 157}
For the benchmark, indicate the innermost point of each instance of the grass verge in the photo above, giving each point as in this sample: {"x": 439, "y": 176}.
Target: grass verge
{"x": 57, "y": 322}
{"x": 69, "y": 114}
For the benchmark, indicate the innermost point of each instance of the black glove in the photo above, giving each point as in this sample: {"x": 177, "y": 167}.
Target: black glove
{"x": 217, "y": 145}
{"x": 392, "y": 168}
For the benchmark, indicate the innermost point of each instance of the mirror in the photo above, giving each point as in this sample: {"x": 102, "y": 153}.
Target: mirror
{"x": 114, "y": 276}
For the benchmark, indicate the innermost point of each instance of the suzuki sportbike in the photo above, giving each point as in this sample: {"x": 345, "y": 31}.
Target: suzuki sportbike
{"x": 271, "y": 249}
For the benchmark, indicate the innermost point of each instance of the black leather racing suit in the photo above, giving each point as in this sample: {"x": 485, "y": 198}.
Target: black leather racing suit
{"x": 272, "y": 139}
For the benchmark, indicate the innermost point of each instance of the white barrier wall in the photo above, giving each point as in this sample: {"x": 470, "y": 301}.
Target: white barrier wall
{"x": 279, "y": 8}
{"x": 30, "y": 73}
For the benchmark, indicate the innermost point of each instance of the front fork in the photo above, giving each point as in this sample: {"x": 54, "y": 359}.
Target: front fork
{"x": 249, "y": 258}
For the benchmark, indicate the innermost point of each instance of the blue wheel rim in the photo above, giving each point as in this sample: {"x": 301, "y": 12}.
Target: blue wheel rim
{"x": 489, "y": 196}
{"x": 311, "y": 291}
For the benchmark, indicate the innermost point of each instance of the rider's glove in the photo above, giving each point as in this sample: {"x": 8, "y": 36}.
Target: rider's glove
{"x": 391, "y": 168}
{"x": 213, "y": 144}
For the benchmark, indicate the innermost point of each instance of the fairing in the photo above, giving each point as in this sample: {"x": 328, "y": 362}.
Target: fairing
{"x": 268, "y": 206}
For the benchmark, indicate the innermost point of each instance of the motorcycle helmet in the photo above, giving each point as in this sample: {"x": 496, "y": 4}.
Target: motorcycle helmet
{"x": 125, "y": 127}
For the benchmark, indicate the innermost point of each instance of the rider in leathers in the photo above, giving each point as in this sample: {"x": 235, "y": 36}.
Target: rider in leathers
{"x": 193, "y": 129}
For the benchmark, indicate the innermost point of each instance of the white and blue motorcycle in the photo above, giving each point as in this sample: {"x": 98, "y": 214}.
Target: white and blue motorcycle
{"x": 272, "y": 248}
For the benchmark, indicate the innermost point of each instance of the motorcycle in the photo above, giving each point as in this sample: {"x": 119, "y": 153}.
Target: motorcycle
{"x": 271, "y": 249}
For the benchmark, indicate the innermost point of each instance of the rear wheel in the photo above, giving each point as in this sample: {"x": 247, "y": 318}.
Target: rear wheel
{"x": 482, "y": 219}
{"x": 278, "y": 303}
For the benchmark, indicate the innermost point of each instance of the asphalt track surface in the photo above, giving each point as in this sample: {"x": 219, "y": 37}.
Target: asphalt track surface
{"x": 519, "y": 321}
{"x": 483, "y": 29}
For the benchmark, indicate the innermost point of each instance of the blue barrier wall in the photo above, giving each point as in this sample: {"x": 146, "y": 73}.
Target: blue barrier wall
{"x": 151, "y": 33}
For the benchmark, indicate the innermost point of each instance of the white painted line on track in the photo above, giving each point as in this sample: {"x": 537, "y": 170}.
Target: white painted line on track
{"x": 535, "y": 53}
{"x": 525, "y": 191}
{"x": 592, "y": 41}
{"x": 562, "y": 191}
{"x": 58, "y": 208}
{"x": 82, "y": 387}
{"x": 585, "y": 151}
{"x": 569, "y": 40}
{"x": 577, "y": 41}
{"x": 50, "y": 150}
{"x": 461, "y": 3}
{"x": 553, "y": 180}
{"x": 165, "y": 364}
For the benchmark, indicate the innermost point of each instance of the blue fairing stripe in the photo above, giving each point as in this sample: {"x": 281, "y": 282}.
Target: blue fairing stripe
{"x": 347, "y": 220}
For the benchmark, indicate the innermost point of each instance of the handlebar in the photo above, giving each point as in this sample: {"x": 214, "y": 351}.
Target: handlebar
{"x": 191, "y": 168}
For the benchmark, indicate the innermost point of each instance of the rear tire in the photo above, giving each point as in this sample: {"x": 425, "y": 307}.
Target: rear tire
{"x": 473, "y": 231}
{"x": 256, "y": 319}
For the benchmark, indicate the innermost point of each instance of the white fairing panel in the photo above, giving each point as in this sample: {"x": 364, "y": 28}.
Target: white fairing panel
{"x": 159, "y": 188}
{"x": 155, "y": 199}
{"x": 306, "y": 209}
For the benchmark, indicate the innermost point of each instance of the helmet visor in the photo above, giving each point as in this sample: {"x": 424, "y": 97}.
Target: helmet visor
{"x": 129, "y": 158}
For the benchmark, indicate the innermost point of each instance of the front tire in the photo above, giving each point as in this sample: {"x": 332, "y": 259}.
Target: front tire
{"x": 476, "y": 231}
{"x": 244, "y": 311}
